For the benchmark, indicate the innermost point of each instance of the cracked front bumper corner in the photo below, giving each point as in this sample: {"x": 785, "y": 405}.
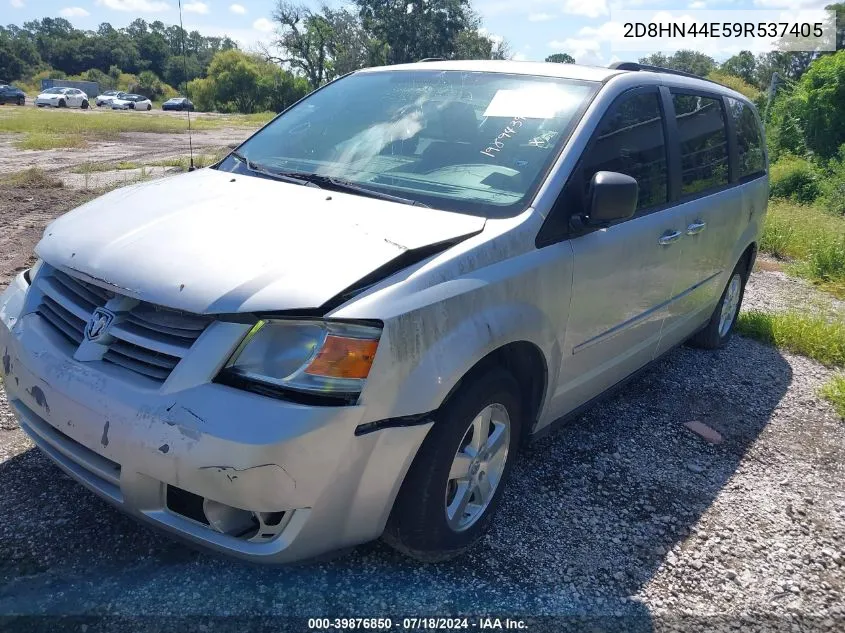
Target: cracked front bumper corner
{"x": 134, "y": 445}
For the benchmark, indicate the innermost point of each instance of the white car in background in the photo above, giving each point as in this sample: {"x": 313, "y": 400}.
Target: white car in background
{"x": 131, "y": 102}
{"x": 62, "y": 98}
{"x": 110, "y": 95}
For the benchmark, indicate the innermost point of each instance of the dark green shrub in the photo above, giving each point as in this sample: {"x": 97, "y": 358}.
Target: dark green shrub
{"x": 794, "y": 178}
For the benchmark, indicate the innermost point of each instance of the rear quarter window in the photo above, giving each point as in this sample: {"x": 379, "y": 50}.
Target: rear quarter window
{"x": 749, "y": 140}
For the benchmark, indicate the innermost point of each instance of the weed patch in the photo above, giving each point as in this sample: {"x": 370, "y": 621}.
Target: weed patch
{"x": 810, "y": 335}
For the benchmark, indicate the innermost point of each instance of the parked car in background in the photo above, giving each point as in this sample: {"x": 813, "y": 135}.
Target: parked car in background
{"x": 107, "y": 97}
{"x": 178, "y": 103}
{"x": 131, "y": 102}
{"x": 62, "y": 98}
{"x": 349, "y": 326}
{"x": 11, "y": 94}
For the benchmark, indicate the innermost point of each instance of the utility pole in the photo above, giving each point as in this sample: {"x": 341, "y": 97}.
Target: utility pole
{"x": 773, "y": 86}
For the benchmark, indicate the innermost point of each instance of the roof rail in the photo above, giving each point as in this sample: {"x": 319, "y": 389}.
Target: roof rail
{"x": 432, "y": 59}
{"x": 657, "y": 69}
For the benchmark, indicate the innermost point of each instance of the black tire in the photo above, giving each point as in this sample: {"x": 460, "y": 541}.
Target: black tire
{"x": 711, "y": 337}
{"x": 149, "y": 107}
{"x": 418, "y": 525}
{"x": 21, "y": 101}
{"x": 62, "y": 104}
{"x": 85, "y": 105}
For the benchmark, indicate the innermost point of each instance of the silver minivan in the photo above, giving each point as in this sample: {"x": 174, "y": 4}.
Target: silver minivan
{"x": 347, "y": 328}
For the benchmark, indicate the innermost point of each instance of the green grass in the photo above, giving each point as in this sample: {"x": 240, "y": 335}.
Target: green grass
{"x": 41, "y": 140}
{"x": 32, "y": 178}
{"x": 813, "y": 239}
{"x": 834, "y": 392}
{"x": 810, "y": 335}
{"x": 50, "y": 128}
{"x": 184, "y": 162}
{"x": 89, "y": 168}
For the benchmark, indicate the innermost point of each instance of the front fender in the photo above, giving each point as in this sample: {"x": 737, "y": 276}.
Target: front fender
{"x": 475, "y": 338}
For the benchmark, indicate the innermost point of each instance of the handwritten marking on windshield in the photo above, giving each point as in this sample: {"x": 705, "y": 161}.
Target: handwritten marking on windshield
{"x": 498, "y": 143}
{"x": 543, "y": 140}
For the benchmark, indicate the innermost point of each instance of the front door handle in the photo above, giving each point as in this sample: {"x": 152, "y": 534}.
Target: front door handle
{"x": 696, "y": 227}
{"x": 668, "y": 238}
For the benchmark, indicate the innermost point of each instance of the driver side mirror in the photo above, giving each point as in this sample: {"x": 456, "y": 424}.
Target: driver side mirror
{"x": 612, "y": 197}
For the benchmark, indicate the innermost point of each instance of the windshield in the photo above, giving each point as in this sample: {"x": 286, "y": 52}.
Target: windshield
{"x": 54, "y": 91}
{"x": 473, "y": 142}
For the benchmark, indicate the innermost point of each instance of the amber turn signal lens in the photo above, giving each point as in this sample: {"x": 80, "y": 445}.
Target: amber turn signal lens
{"x": 342, "y": 357}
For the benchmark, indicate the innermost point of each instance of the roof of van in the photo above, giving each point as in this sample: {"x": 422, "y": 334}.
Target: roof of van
{"x": 564, "y": 71}
{"x": 547, "y": 69}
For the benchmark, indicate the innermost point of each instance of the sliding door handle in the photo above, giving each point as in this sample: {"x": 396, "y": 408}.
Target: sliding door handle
{"x": 668, "y": 238}
{"x": 696, "y": 227}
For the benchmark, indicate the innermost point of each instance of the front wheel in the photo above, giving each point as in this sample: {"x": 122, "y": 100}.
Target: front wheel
{"x": 21, "y": 101}
{"x": 720, "y": 327}
{"x": 85, "y": 105}
{"x": 149, "y": 107}
{"x": 454, "y": 485}
{"x": 62, "y": 104}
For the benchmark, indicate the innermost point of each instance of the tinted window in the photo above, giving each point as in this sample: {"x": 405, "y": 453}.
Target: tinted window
{"x": 630, "y": 141}
{"x": 749, "y": 141}
{"x": 704, "y": 142}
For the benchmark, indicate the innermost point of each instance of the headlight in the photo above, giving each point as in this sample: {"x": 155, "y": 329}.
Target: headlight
{"x": 315, "y": 357}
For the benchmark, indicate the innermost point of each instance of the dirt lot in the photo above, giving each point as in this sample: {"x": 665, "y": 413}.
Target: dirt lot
{"x": 625, "y": 516}
{"x": 144, "y": 149}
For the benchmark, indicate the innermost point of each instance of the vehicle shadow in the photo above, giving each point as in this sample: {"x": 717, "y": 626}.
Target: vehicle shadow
{"x": 590, "y": 515}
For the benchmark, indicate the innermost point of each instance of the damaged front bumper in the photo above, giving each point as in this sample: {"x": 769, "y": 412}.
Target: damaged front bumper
{"x": 237, "y": 472}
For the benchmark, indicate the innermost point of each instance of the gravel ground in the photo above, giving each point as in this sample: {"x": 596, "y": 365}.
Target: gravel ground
{"x": 774, "y": 291}
{"x": 623, "y": 512}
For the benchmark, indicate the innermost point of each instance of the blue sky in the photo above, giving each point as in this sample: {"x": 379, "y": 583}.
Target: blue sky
{"x": 533, "y": 28}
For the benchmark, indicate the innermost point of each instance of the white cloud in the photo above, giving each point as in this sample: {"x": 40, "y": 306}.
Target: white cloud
{"x": 16, "y": 4}
{"x": 585, "y": 50}
{"x": 540, "y": 17}
{"x": 603, "y": 33}
{"x": 74, "y": 12}
{"x": 237, "y": 8}
{"x": 135, "y": 6}
{"x": 519, "y": 57}
{"x": 698, "y": 4}
{"x": 587, "y": 8}
{"x": 789, "y": 4}
{"x": 196, "y": 7}
{"x": 263, "y": 24}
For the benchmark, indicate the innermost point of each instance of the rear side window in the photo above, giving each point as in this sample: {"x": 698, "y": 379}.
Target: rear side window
{"x": 630, "y": 141}
{"x": 704, "y": 142}
{"x": 749, "y": 141}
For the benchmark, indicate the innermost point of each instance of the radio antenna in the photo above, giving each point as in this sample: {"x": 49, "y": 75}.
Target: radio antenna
{"x": 187, "y": 95}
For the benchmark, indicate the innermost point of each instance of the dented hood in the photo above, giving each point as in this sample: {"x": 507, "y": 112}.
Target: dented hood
{"x": 213, "y": 242}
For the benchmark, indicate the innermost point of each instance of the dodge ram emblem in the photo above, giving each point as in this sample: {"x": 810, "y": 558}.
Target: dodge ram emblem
{"x": 98, "y": 324}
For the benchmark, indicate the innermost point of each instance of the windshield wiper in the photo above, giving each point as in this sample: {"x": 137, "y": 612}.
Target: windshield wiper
{"x": 339, "y": 184}
{"x": 271, "y": 174}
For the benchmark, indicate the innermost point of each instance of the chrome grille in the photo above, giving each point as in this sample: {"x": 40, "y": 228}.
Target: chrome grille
{"x": 149, "y": 340}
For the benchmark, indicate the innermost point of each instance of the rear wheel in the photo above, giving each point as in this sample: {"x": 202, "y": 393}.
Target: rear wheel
{"x": 452, "y": 489}
{"x": 721, "y": 325}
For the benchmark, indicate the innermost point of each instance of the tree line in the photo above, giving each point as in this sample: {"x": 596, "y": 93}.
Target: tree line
{"x": 310, "y": 48}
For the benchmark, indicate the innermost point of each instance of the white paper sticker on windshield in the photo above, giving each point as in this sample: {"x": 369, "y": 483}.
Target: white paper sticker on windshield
{"x": 536, "y": 102}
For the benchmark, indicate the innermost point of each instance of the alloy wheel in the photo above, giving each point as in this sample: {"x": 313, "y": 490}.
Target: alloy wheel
{"x": 477, "y": 467}
{"x": 730, "y": 305}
